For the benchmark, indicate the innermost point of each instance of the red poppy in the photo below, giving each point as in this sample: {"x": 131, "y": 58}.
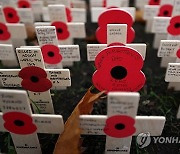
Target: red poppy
{"x": 154, "y": 2}
{"x": 68, "y": 14}
{"x": 4, "y": 33}
{"x": 19, "y": 123}
{"x": 120, "y": 126}
{"x": 24, "y": 4}
{"x": 51, "y": 54}
{"x": 104, "y": 3}
{"x": 61, "y": 29}
{"x": 178, "y": 53}
{"x": 11, "y": 15}
{"x": 118, "y": 69}
{"x": 34, "y": 79}
{"x": 165, "y": 10}
{"x": 174, "y": 26}
{"x": 114, "y": 16}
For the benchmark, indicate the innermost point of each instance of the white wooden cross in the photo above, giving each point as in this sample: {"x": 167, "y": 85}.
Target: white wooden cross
{"x": 13, "y": 30}
{"x": 31, "y": 59}
{"x": 141, "y": 3}
{"x": 70, "y": 53}
{"x": 116, "y": 33}
{"x": 71, "y": 30}
{"x": 17, "y": 119}
{"x": 160, "y": 26}
{"x": 96, "y": 12}
{"x": 121, "y": 122}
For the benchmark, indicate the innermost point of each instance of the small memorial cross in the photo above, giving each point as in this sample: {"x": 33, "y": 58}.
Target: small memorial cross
{"x": 48, "y": 42}
{"x": 121, "y": 122}
{"x": 17, "y": 119}
{"x": 66, "y": 31}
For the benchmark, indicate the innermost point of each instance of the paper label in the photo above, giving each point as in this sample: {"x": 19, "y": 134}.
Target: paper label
{"x": 57, "y": 13}
{"x": 93, "y": 50}
{"x": 173, "y": 72}
{"x": 122, "y": 104}
{"x": 77, "y": 30}
{"x": 26, "y": 15}
{"x": 30, "y": 57}
{"x": 150, "y": 11}
{"x": 7, "y": 52}
{"x": 117, "y": 3}
{"x": 168, "y": 48}
{"x": 59, "y": 77}
{"x": 116, "y": 33}
{"x": 70, "y": 52}
{"x": 16, "y": 30}
{"x": 37, "y": 6}
{"x": 160, "y": 24}
{"x": 79, "y": 15}
{"x": 176, "y": 8}
{"x": 46, "y": 35}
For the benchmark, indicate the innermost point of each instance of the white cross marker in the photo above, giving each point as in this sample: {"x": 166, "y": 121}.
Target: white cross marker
{"x": 121, "y": 108}
{"x": 114, "y": 37}
{"x": 17, "y": 118}
{"x": 47, "y": 35}
{"x": 70, "y": 30}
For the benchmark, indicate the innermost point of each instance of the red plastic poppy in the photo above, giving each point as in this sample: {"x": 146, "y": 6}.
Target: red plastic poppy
{"x": 174, "y": 26}
{"x": 11, "y": 15}
{"x": 68, "y": 14}
{"x": 61, "y": 29}
{"x": 24, "y": 4}
{"x": 154, "y": 2}
{"x": 118, "y": 69}
{"x": 4, "y": 33}
{"x": 114, "y": 16}
{"x": 178, "y": 53}
{"x": 120, "y": 126}
{"x": 35, "y": 79}
{"x": 51, "y": 54}
{"x": 165, "y": 10}
{"x": 104, "y": 3}
{"x": 19, "y": 123}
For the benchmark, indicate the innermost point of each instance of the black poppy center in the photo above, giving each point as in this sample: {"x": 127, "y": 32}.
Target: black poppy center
{"x": 10, "y": 15}
{"x": 34, "y": 79}
{"x": 19, "y": 123}
{"x": 1, "y": 31}
{"x": 166, "y": 13}
{"x": 177, "y": 25}
{"x": 51, "y": 54}
{"x": 59, "y": 30}
{"x": 119, "y": 126}
{"x": 118, "y": 72}
{"x": 24, "y": 6}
